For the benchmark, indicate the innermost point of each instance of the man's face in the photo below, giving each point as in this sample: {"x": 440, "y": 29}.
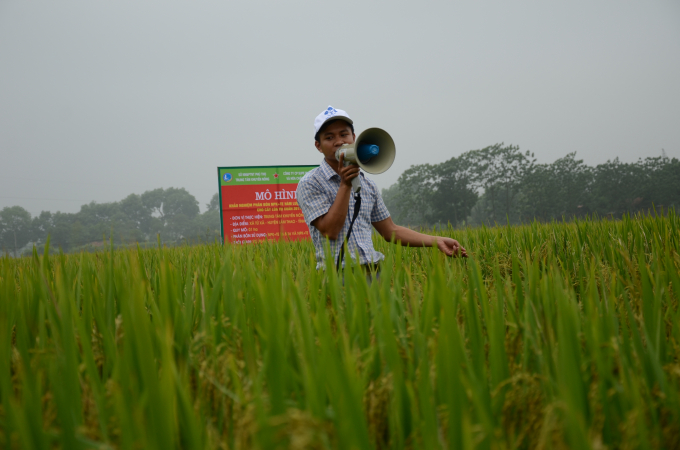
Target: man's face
{"x": 333, "y": 137}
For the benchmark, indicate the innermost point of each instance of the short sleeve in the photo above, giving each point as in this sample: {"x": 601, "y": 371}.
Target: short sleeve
{"x": 379, "y": 211}
{"x": 312, "y": 201}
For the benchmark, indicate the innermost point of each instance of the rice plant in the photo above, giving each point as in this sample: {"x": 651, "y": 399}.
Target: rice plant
{"x": 559, "y": 335}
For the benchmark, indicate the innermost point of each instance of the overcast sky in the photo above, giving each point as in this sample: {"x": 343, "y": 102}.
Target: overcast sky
{"x": 100, "y": 99}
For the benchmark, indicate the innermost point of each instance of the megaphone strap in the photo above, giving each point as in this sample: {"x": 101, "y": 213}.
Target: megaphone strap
{"x": 357, "y": 207}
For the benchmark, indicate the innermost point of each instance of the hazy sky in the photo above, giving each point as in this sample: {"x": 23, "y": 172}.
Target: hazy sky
{"x": 100, "y": 99}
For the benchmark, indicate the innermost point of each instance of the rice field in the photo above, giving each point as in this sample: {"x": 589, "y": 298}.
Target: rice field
{"x": 560, "y": 335}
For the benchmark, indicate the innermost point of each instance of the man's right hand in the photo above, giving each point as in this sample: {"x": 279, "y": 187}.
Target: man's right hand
{"x": 347, "y": 174}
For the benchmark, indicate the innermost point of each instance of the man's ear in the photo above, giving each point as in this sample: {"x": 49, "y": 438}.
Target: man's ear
{"x": 317, "y": 144}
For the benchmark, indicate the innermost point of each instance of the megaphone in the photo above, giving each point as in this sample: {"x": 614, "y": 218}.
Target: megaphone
{"x": 373, "y": 151}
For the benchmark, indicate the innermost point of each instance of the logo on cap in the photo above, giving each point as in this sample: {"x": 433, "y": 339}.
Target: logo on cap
{"x": 330, "y": 112}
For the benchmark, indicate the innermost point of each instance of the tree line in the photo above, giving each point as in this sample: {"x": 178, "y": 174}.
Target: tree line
{"x": 496, "y": 184}
{"x": 173, "y": 214}
{"x": 500, "y": 183}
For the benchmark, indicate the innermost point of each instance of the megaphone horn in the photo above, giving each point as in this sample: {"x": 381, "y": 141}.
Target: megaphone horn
{"x": 373, "y": 151}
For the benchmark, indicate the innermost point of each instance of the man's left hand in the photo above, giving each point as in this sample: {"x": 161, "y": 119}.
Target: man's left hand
{"x": 451, "y": 247}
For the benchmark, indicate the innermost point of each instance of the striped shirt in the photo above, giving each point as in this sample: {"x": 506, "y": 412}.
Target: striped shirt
{"x": 316, "y": 193}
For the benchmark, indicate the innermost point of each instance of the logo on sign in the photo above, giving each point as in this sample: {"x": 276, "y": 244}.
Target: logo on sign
{"x": 227, "y": 177}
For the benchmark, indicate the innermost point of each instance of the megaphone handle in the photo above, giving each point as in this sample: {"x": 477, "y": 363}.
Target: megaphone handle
{"x": 356, "y": 184}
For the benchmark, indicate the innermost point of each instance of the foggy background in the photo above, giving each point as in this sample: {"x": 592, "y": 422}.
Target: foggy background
{"x": 99, "y": 100}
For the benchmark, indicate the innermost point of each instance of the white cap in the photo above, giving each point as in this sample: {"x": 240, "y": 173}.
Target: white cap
{"x": 327, "y": 114}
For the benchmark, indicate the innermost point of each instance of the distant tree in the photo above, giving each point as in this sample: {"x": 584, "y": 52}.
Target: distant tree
{"x": 560, "y": 189}
{"x": 153, "y": 201}
{"x": 453, "y": 194}
{"x": 78, "y": 234}
{"x": 60, "y": 231}
{"x": 389, "y": 198}
{"x": 498, "y": 172}
{"x": 662, "y": 186}
{"x": 41, "y": 226}
{"x": 94, "y": 221}
{"x": 15, "y": 228}
{"x": 179, "y": 201}
{"x": 207, "y": 226}
{"x": 617, "y": 187}
{"x": 214, "y": 204}
{"x": 479, "y": 186}
{"x": 173, "y": 213}
{"x": 137, "y": 213}
{"x": 432, "y": 194}
{"x": 179, "y": 211}
{"x": 410, "y": 203}
{"x": 175, "y": 210}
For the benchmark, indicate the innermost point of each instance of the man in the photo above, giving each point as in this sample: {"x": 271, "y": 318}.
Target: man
{"x": 325, "y": 197}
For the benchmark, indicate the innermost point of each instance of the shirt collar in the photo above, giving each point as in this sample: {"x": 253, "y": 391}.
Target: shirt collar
{"x": 327, "y": 170}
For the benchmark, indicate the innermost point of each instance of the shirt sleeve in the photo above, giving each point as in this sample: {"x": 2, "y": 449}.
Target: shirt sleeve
{"x": 312, "y": 201}
{"x": 379, "y": 211}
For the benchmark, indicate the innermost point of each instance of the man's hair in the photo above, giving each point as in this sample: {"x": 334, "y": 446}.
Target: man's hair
{"x": 325, "y": 125}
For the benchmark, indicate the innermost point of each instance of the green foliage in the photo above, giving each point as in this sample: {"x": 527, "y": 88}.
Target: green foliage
{"x": 409, "y": 200}
{"x": 558, "y": 335}
{"x": 214, "y": 204}
{"x": 15, "y": 223}
{"x": 556, "y": 190}
{"x": 171, "y": 213}
{"x": 427, "y": 194}
{"x": 499, "y": 183}
{"x": 452, "y": 195}
{"x": 499, "y": 171}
